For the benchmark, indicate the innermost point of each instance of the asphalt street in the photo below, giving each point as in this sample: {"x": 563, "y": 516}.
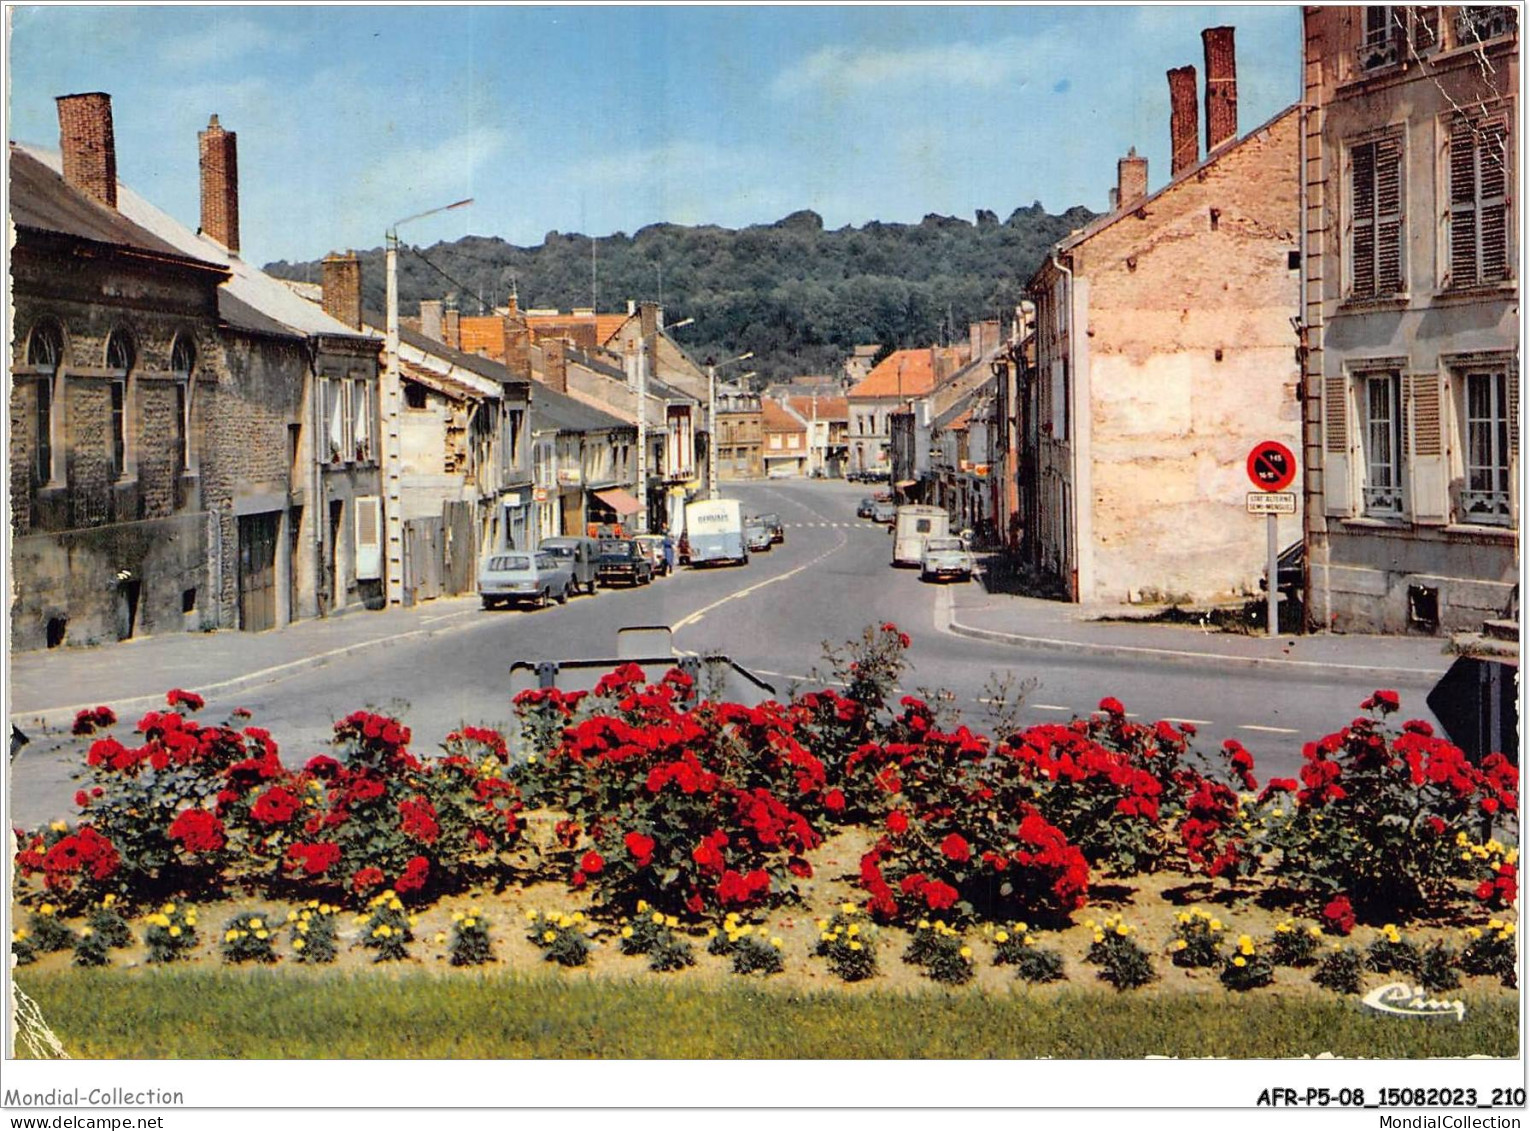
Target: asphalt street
{"x": 830, "y": 579}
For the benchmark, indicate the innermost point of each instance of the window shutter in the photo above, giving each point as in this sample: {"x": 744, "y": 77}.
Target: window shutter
{"x": 1363, "y": 210}
{"x": 1338, "y": 491}
{"x": 368, "y": 510}
{"x": 1429, "y": 485}
{"x": 1388, "y": 217}
{"x": 1512, "y": 408}
{"x": 1493, "y": 157}
{"x": 1463, "y": 203}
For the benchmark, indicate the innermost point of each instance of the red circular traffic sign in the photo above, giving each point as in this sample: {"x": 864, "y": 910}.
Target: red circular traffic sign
{"x": 1271, "y": 466}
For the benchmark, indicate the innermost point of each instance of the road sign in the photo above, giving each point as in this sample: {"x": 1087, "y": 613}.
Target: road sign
{"x": 1271, "y": 466}
{"x": 1272, "y": 502}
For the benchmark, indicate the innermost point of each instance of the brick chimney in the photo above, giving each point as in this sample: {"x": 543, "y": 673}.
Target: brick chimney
{"x": 1221, "y": 86}
{"x": 517, "y": 357}
{"x": 430, "y": 318}
{"x": 342, "y": 288}
{"x": 89, "y": 145}
{"x": 1131, "y": 179}
{"x": 649, "y": 315}
{"x": 220, "y": 184}
{"x": 1184, "y": 129}
{"x": 452, "y": 330}
{"x": 982, "y": 338}
{"x": 555, "y": 364}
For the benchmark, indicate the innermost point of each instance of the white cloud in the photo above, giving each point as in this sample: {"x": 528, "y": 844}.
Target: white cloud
{"x": 984, "y": 66}
{"x": 220, "y": 40}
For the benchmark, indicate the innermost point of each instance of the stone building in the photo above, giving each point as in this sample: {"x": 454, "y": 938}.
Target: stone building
{"x": 785, "y": 452}
{"x": 174, "y": 412}
{"x": 1411, "y": 316}
{"x": 1164, "y": 352}
{"x": 740, "y": 435}
{"x": 898, "y": 380}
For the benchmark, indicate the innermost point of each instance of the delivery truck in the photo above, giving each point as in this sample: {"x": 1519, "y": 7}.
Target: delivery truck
{"x": 715, "y": 532}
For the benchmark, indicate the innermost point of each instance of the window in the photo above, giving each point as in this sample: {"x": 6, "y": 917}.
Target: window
{"x": 1485, "y": 497}
{"x": 1376, "y": 218}
{"x": 45, "y": 352}
{"x": 414, "y": 395}
{"x": 334, "y": 421}
{"x": 119, "y": 359}
{"x": 517, "y": 422}
{"x": 1477, "y": 22}
{"x": 182, "y": 360}
{"x": 1380, "y": 407}
{"x": 1379, "y": 47}
{"x": 1479, "y": 210}
{"x": 361, "y": 416}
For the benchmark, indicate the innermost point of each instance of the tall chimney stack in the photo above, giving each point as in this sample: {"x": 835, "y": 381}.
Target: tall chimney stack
{"x": 452, "y": 325}
{"x": 430, "y": 318}
{"x": 220, "y": 184}
{"x": 90, "y": 148}
{"x": 1131, "y": 179}
{"x": 342, "y": 288}
{"x": 1221, "y": 86}
{"x": 1184, "y": 128}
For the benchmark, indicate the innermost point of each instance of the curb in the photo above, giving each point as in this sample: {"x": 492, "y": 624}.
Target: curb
{"x": 1178, "y": 656}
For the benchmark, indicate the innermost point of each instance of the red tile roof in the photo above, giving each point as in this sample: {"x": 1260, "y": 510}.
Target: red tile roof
{"x": 826, "y": 408}
{"x": 905, "y": 373}
{"x": 777, "y": 419}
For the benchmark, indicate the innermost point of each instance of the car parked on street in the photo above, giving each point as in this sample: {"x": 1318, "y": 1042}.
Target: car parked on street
{"x": 580, "y": 554}
{"x": 945, "y": 557}
{"x": 884, "y": 511}
{"x": 526, "y": 578}
{"x": 623, "y": 561}
{"x": 756, "y": 535}
{"x": 653, "y": 546}
{"x": 866, "y": 507}
{"x": 772, "y": 523}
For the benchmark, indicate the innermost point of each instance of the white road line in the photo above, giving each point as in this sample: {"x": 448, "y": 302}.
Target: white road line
{"x": 1269, "y": 730}
{"x": 1050, "y": 707}
{"x": 1192, "y": 722}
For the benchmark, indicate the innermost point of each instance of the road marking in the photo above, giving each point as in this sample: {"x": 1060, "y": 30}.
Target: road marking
{"x": 1269, "y": 730}
{"x": 1050, "y": 707}
{"x": 1192, "y": 722}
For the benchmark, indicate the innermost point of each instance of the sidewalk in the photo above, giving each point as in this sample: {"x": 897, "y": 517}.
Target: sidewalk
{"x": 46, "y": 688}
{"x": 1032, "y": 622}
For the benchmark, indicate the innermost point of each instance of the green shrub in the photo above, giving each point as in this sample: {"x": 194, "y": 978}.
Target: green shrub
{"x": 470, "y": 944}
{"x": 1390, "y": 953}
{"x": 91, "y": 949}
{"x": 315, "y": 935}
{"x": 48, "y": 934}
{"x": 849, "y": 941}
{"x": 1246, "y": 968}
{"x": 753, "y": 953}
{"x": 386, "y": 928}
{"x": 172, "y": 931}
{"x": 248, "y": 937}
{"x": 1439, "y": 968}
{"x": 1293, "y": 945}
{"x": 1123, "y": 963}
{"x": 670, "y": 952}
{"x": 1492, "y": 952}
{"x": 1197, "y": 939}
{"x": 1339, "y": 970}
{"x": 561, "y": 937}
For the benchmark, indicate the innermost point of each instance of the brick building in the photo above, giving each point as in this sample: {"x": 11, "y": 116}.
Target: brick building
{"x": 740, "y": 435}
{"x": 1163, "y": 353}
{"x": 1411, "y": 316}
{"x": 195, "y": 441}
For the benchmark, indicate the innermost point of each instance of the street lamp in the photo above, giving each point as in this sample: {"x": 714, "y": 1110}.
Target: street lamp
{"x": 712, "y": 369}
{"x": 391, "y": 392}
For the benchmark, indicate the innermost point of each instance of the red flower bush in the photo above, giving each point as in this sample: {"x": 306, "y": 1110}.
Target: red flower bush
{"x": 197, "y": 831}
{"x": 1339, "y": 916}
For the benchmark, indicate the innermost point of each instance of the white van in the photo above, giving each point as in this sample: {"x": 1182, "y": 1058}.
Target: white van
{"x": 913, "y": 525}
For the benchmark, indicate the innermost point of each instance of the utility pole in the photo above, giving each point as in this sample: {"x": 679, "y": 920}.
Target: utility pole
{"x": 640, "y": 362}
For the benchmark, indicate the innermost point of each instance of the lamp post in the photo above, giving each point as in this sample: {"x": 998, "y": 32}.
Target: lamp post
{"x": 712, "y": 368}
{"x": 391, "y": 392}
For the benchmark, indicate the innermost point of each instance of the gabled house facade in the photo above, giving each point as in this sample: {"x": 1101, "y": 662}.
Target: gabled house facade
{"x": 899, "y": 380}
{"x": 828, "y": 424}
{"x": 785, "y": 452}
{"x": 1411, "y": 316}
{"x": 1163, "y": 354}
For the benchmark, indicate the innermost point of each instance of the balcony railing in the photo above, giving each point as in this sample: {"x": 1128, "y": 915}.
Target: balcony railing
{"x": 1483, "y": 21}
{"x": 1379, "y": 54}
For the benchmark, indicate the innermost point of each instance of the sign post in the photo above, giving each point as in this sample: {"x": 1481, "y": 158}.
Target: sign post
{"x": 1272, "y": 468}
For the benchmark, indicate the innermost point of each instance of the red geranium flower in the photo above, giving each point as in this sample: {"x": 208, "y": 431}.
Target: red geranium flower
{"x": 939, "y": 896}
{"x": 366, "y": 878}
{"x": 315, "y": 859}
{"x": 1339, "y": 915}
{"x": 191, "y": 699}
{"x": 197, "y": 830}
{"x": 897, "y": 821}
{"x": 415, "y": 873}
{"x": 275, "y": 806}
{"x": 592, "y": 863}
{"x": 834, "y": 801}
{"x": 1112, "y": 706}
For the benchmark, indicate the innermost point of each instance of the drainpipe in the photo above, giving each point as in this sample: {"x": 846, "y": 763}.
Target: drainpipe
{"x": 1073, "y": 440}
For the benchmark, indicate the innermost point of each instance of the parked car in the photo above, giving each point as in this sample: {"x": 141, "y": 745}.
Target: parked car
{"x": 580, "y": 554}
{"x": 522, "y": 577}
{"x": 884, "y": 511}
{"x": 756, "y": 535}
{"x": 945, "y": 557}
{"x": 772, "y": 523}
{"x": 865, "y": 508}
{"x": 623, "y": 560}
{"x": 653, "y": 546}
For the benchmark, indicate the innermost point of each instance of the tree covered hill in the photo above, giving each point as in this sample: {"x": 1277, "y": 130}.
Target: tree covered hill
{"x": 797, "y": 296}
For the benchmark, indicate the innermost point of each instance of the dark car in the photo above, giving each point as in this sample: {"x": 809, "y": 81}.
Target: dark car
{"x": 756, "y": 535}
{"x": 864, "y": 510}
{"x": 772, "y": 523}
{"x": 622, "y": 561}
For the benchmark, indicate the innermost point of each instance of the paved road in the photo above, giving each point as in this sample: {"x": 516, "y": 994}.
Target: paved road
{"x": 830, "y": 579}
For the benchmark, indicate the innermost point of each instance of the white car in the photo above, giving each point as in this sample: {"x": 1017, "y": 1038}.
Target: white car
{"x": 943, "y": 558}
{"x": 523, "y": 577}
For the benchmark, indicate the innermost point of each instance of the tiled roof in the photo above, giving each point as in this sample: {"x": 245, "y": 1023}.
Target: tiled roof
{"x": 903, "y": 373}
{"x": 457, "y": 390}
{"x": 778, "y": 419}
{"x": 823, "y": 408}
{"x": 486, "y": 367}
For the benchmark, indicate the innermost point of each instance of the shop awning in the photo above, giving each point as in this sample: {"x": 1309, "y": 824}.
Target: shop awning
{"x": 620, "y": 501}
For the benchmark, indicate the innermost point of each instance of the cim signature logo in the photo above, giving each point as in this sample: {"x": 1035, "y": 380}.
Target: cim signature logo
{"x": 1411, "y": 1001}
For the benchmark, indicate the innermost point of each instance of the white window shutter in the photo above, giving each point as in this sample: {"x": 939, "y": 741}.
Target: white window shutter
{"x": 1429, "y": 486}
{"x": 1338, "y": 486}
{"x": 368, "y": 510}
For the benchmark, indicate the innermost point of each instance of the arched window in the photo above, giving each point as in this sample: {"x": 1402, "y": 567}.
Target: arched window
{"x": 183, "y": 358}
{"x": 120, "y": 356}
{"x": 45, "y": 353}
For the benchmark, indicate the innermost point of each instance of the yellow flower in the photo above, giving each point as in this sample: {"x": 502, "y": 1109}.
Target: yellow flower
{"x": 531, "y": 757}
{"x": 825, "y": 936}
{"x": 853, "y": 929}
{"x": 776, "y": 942}
{"x": 1182, "y": 918}
{"x": 578, "y": 916}
{"x": 384, "y": 932}
{"x": 1240, "y": 961}
{"x": 168, "y": 909}
{"x": 848, "y": 908}
{"x": 109, "y": 899}
{"x": 470, "y": 922}
{"x": 1123, "y": 930}
{"x": 191, "y": 919}
{"x": 1178, "y": 944}
{"x": 59, "y": 826}
{"x": 292, "y": 916}
{"x": 671, "y": 921}
{"x": 1245, "y": 944}
{"x": 86, "y": 932}
{"x": 46, "y": 909}
{"x": 440, "y": 937}
{"x": 854, "y": 945}
{"x": 298, "y": 944}
{"x": 1494, "y": 924}
{"x": 302, "y": 926}
{"x": 256, "y": 924}
{"x": 965, "y": 952}
{"x": 20, "y": 933}
{"x": 924, "y": 924}
{"x": 1277, "y": 812}
{"x": 549, "y": 936}
{"x": 395, "y": 905}
{"x": 711, "y": 932}
{"x": 175, "y": 932}
{"x": 642, "y": 905}
{"x": 529, "y": 915}
{"x": 626, "y": 932}
{"x": 458, "y": 916}
{"x": 1001, "y": 937}
{"x": 414, "y": 920}
{"x": 262, "y": 934}
{"x": 1216, "y": 924}
{"x": 1099, "y": 936}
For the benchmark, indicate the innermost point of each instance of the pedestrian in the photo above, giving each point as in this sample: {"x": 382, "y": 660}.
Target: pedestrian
{"x": 669, "y": 554}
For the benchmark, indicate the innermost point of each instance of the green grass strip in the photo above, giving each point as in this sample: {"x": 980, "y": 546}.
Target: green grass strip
{"x": 267, "y": 1014}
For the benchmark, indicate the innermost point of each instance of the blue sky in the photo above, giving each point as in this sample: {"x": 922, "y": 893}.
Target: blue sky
{"x": 602, "y": 119}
